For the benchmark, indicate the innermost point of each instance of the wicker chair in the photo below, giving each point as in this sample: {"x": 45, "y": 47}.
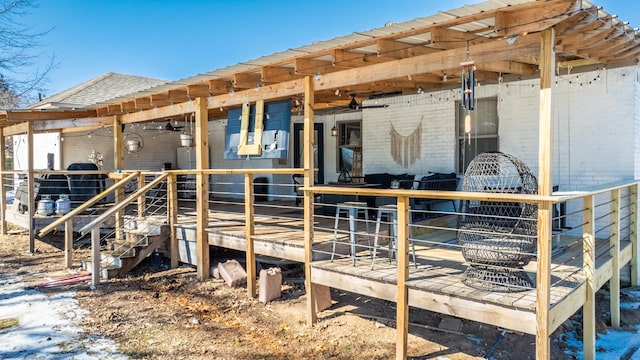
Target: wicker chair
{"x": 498, "y": 238}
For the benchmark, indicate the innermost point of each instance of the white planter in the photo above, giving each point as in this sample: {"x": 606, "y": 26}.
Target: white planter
{"x": 186, "y": 140}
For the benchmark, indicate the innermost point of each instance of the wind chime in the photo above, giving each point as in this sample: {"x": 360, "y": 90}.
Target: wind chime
{"x": 468, "y": 80}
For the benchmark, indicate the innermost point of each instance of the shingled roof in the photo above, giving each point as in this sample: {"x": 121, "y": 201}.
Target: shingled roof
{"x": 102, "y": 88}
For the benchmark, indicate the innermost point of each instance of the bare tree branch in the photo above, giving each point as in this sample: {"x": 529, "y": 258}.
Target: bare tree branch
{"x": 20, "y": 46}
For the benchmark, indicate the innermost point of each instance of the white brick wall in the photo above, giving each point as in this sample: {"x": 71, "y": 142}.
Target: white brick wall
{"x": 406, "y": 113}
{"x": 593, "y": 127}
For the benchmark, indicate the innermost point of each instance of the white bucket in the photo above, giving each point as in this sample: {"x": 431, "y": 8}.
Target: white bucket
{"x": 186, "y": 140}
{"x": 133, "y": 145}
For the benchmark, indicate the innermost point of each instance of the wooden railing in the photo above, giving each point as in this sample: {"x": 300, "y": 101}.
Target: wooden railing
{"x": 602, "y": 223}
{"x": 94, "y": 225}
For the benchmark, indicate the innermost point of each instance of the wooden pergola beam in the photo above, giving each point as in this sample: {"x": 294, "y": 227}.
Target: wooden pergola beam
{"x": 445, "y": 39}
{"x": 68, "y": 125}
{"x": 115, "y": 109}
{"x": 275, "y": 74}
{"x": 303, "y": 66}
{"x": 352, "y": 59}
{"x": 518, "y": 22}
{"x": 218, "y": 86}
{"x": 246, "y": 80}
{"x": 24, "y": 115}
{"x": 143, "y": 103}
{"x": 160, "y": 99}
{"x": 177, "y": 96}
{"x": 399, "y": 50}
{"x": 197, "y": 90}
{"x": 129, "y": 106}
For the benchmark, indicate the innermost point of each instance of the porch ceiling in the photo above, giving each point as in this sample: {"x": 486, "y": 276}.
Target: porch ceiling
{"x": 502, "y": 36}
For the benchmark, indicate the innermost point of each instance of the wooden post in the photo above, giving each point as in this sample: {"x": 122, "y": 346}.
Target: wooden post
{"x": 31, "y": 203}
{"x": 543, "y": 280}
{"x": 3, "y": 187}
{"x": 202, "y": 186}
{"x": 614, "y": 251}
{"x": 633, "y": 233}
{"x": 309, "y": 113}
{"x": 172, "y": 210}
{"x": 249, "y": 219}
{"x": 543, "y": 277}
{"x": 589, "y": 265}
{"x": 95, "y": 256}
{"x": 142, "y": 199}
{"x": 402, "y": 302}
{"x": 118, "y": 164}
{"x": 68, "y": 243}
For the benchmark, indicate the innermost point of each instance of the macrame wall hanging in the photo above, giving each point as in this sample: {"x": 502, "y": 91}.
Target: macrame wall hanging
{"x": 405, "y": 150}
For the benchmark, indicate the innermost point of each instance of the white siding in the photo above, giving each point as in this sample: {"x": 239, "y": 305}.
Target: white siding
{"x": 159, "y": 147}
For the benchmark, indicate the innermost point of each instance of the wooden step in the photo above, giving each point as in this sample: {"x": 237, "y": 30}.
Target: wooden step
{"x": 137, "y": 239}
{"x": 123, "y": 253}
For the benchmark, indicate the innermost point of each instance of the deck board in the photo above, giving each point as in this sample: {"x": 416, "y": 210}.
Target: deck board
{"x": 436, "y": 278}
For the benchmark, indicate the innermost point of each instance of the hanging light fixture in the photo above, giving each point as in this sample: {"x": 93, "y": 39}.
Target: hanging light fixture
{"x": 334, "y": 129}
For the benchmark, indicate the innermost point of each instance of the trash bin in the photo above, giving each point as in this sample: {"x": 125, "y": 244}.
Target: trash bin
{"x": 261, "y": 189}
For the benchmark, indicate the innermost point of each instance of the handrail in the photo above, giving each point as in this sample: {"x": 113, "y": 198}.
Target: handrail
{"x": 119, "y": 206}
{"x": 47, "y": 229}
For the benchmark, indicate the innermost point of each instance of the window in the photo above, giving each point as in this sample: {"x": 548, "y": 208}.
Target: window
{"x": 349, "y": 142}
{"x": 483, "y": 136}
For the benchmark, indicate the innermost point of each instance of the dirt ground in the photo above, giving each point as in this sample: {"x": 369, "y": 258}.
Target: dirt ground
{"x": 160, "y": 313}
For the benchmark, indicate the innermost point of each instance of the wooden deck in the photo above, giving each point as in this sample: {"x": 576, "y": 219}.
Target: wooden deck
{"x": 434, "y": 282}
{"x": 40, "y": 221}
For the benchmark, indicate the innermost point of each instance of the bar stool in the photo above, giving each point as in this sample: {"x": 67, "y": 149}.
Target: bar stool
{"x": 352, "y": 208}
{"x": 390, "y": 212}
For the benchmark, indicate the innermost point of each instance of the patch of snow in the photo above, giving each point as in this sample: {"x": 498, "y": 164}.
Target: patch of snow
{"x": 615, "y": 344}
{"x": 48, "y": 326}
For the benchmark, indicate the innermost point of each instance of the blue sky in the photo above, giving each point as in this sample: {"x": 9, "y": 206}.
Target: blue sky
{"x": 173, "y": 39}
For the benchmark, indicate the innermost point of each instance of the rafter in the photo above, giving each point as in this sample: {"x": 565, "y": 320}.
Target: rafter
{"x": 246, "y": 80}
{"x": 160, "y": 99}
{"x": 508, "y": 67}
{"x": 143, "y": 103}
{"x": 353, "y": 59}
{"x": 177, "y": 96}
{"x": 587, "y": 42}
{"x": 115, "y": 109}
{"x": 517, "y": 22}
{"x": 305, "y": 66}
{"x": 399, "y": 50}
{"x": 129, "y": 106}
{"x": 444, "y": 39}
{"x": 573, "y": 21}
{"x": 197, "y": 90}
{"x": 218, "y": 86}
{"x": 608, "y": 46}
{"x": 274, "y": 74}
{"x": 593, "y": 28}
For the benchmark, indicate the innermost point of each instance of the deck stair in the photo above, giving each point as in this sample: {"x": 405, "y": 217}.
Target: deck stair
{"x": 139, "y": 238}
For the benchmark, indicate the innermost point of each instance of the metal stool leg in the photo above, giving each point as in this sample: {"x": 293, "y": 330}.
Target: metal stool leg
{"x": 335, "y": 232}
{"x": 375, "y": 238}
{"x": 353, "y": 228}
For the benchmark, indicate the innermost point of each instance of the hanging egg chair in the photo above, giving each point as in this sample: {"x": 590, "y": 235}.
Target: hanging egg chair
{"x": 498, "y": 238}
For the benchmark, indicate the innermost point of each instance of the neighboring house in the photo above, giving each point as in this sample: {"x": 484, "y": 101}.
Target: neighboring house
{"x": 99, "y": 89}
{"x": 102, "y": 88}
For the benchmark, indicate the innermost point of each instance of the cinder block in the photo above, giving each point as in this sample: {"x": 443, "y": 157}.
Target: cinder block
{"x": 232, "y": 272}
{"x": 322, "y": 296}
{"x": 270, "y": 284}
